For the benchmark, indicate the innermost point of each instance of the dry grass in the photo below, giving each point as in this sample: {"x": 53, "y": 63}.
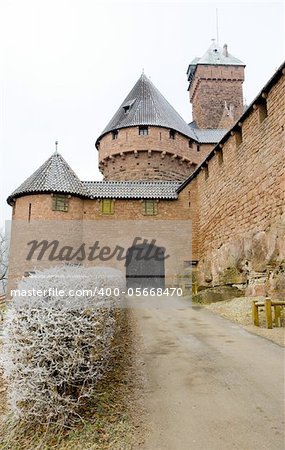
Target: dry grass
{"x": 109, "y": 422}
{"x": 239, "y": 310}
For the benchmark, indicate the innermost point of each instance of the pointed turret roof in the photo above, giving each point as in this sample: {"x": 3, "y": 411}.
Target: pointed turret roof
{"x": 215, "y": 55}
{"x": 53, "y": 176}
{"x": 145, "y": 105}
{"x": 219, "y": 56}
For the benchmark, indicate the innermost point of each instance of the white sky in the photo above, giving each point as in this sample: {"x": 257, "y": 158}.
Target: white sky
{"x": 66, "y": 66}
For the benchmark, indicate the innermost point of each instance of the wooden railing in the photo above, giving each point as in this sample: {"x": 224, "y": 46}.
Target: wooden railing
{"x": 268, "y": 305}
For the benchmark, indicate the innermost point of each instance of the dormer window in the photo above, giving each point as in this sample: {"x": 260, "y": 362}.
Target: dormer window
{"x": 143, "y": 131}
{"x": 115, "y": 134}
{"x": 172, "y": 134}
{"x": 127, "y": 106}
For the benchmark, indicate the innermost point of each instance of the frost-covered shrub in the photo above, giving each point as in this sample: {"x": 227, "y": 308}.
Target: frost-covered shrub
{"x": 57, "y": 346}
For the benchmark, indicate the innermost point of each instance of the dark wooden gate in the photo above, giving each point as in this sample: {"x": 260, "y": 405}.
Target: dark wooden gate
{"x": 145, "y": 266}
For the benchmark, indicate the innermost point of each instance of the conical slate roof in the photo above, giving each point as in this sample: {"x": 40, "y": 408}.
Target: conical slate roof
{"x": 145, "y": 105}
{"x": 55, "y": 175}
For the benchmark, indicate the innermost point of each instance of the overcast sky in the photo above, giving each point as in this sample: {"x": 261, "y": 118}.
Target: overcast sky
{"x": 66, "y": 65}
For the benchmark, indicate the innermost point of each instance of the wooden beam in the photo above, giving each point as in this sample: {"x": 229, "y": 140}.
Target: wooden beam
{"x": 268, "y": 313}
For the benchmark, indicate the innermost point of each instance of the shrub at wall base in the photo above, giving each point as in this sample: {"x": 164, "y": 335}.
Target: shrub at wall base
{"x": 57, "y": 347}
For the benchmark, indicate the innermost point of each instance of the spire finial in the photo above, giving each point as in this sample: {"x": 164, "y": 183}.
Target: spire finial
{"x": 143, "y": 71}
{"x": 56, "y": 144}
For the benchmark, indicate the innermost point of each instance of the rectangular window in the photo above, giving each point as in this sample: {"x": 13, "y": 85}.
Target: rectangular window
{"x": 172, "y": 134}
{"x": 150, "y": 207}
{"x": 198, "y": 148}
{"x": 143, "y": 131}
{"x": 60, "y": 203}
{"x": 107, "y": 206}
{"x": 190, "y": 143}
{"x": 115, "y": 134}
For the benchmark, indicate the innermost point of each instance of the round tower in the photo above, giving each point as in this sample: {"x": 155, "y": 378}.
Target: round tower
{"x": 147, "y": 139}
{"x": 47, "y": 216}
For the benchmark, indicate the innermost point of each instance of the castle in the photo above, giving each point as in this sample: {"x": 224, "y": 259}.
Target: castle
{"x": 223, "y": 173}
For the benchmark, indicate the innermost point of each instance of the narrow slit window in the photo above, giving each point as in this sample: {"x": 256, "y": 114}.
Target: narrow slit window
{"x": 143, "y": 131}
{"x": 220, "y": 157}
{"x": 30, "y": 212}
{"x": 262, "y": 108}
{"x": 107, "y": 206}
{"x": 206, "y": 172}
{"x": 190, "y": 143}
{"x": 198, "y": 147}
{"x": 60, "y": 203}
{"x": 238, "y": 135}
{"x": 149, "y": 207}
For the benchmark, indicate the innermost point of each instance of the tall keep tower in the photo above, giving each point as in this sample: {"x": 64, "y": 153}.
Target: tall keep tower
{"x": 147, "y": 139}
{"x": 215, "y": 85}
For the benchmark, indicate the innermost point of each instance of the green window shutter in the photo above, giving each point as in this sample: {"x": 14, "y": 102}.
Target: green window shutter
{"x": 107, "y": 206}
{"x": 150, "y": 207}
{"x": 60, "y": 203}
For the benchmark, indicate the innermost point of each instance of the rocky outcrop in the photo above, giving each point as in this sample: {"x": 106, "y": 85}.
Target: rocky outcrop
{"x": 255, "y": 261}
{"x": 217, "y": 294}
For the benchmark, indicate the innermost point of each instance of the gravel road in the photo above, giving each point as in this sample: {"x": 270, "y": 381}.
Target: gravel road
{"x": 210, "y": 385}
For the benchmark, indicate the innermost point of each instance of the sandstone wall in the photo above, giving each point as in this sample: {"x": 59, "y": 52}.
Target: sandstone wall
{"x": 34, "y": 219}
{"x": 242, "y": 206}
{"x": 154, "y": 156}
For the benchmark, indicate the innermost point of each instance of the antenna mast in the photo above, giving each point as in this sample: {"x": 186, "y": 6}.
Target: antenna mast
{"x": 217, "y": 25}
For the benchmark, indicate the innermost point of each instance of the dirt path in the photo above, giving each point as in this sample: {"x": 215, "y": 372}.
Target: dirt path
{"x": 210, "y": 385}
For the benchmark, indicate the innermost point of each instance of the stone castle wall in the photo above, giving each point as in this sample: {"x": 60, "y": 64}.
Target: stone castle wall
{"x": 33, "y": 218}
{"x": 241, "y": 203}
{"x": 155, "y": 156}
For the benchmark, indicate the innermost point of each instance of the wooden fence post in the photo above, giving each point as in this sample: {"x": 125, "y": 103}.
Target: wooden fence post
{"x": 255, "y": 318}
{"x": 277, "y": 315}
{"x": 268, "y": 313}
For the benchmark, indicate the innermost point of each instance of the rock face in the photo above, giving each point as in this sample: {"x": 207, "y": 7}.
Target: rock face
{"x": 255, "y": 261}
{"x": 217, "y": 294}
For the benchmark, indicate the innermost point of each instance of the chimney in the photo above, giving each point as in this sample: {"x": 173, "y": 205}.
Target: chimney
{"x": 225, "y": 50}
